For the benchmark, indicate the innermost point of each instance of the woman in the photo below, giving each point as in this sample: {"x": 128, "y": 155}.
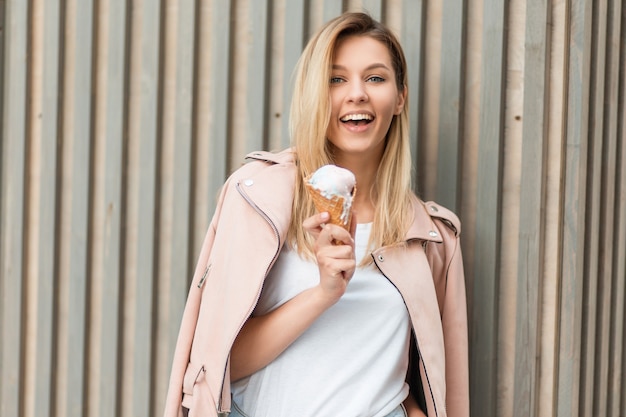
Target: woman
{"x": 280, "y": 321}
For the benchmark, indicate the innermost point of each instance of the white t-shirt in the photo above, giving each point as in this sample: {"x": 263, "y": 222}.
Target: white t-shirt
{"x": 351, "y": 362}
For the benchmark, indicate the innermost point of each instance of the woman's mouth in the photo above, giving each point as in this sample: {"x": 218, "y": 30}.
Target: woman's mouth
{"x": 357, "y": 119}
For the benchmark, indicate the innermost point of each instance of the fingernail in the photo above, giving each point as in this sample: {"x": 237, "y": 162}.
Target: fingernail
{"x": 325, "y": 215}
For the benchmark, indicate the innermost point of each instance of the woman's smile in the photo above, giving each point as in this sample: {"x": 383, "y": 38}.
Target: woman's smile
{"x": 357, "y": 122}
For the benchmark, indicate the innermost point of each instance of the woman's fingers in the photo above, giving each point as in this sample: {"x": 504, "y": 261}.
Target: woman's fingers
{"x": 334, "y": 235}
{"x": 315, "y": 223}
{"x": 318, "y": 226}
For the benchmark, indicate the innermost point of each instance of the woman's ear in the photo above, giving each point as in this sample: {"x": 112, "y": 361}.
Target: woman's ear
{"x": 401, "y": 100}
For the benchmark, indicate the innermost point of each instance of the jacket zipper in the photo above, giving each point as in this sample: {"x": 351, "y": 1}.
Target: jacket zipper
{"x": 277, "y": 236}
{"x": 417, "y": 343}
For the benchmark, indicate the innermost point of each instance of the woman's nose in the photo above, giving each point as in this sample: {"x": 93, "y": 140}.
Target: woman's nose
{"x": 357, "y": 92}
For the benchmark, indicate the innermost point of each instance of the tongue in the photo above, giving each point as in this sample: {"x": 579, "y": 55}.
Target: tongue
{"x": 358, "y": 122}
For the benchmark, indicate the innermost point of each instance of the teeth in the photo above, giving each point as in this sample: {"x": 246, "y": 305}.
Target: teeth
{"x": 356, "y": 117}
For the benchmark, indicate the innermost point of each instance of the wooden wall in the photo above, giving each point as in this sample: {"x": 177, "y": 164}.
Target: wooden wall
{"x": 120, "y": 119}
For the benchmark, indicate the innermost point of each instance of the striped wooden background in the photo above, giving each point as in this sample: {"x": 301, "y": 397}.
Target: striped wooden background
{"x": 120, "y": 119}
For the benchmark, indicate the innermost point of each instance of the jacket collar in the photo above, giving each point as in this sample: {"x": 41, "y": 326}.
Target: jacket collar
{"x": 286, "y": 156}
{"x": 423, "y": 226}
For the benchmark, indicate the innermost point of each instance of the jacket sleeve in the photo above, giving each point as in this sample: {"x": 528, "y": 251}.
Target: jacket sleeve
{"x": 173, "y": 401}
{"x": 455, "y": 332}
{"x": 446, "y": 262}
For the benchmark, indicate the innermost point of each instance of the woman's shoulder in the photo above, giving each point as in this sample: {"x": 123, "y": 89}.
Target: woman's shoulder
{"x": 259, "y": 160}
{"x": 285, "y": 156}
{"x": 440, "y": 214}
{"x": 437, "y": 211}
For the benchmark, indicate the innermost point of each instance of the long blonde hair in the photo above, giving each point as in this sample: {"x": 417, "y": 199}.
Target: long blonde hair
{"x": 309, "y": 120}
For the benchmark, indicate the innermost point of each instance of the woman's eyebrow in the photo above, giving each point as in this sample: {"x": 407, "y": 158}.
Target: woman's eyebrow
{"x": 368, "y": 68}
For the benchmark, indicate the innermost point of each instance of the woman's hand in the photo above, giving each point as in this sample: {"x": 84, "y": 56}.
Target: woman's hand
{"x": 334, "y": 252}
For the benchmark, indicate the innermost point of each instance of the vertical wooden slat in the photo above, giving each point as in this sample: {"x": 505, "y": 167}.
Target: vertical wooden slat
{"x": 609, "y": 108}
{"x": 593, "y": 225}
{"x": 619, "y": 362}
{"x": 144, "y": 137}
{"x": 548, "y": 360}
{"x": 411, "y": 38}
{"x": 573, "y": 212}
{"x": 617, "y": 383}
{"x": 249, "y": 113}
{"x": 73, "y": 230}
{"x": 426, "y": 165}
{"x": 175, "y": 182}
{"x": 531, "y": 223}
{"x": 294, "y": 43}
{"x": 13, "y": 93}
{"x": 483, "y": 326}
{"x": 221, "y": 47}
{"x": 257, "y": 76}
{"x": 108, "y": 155}
{"x": 42, "y": 207}
{"x": 613, "y": 291}
{"x": 182, "y": 174}
{"x": 448, "y": 152}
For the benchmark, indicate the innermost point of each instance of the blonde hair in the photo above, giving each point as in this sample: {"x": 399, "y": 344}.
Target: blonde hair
{"x": 309, "y": 120}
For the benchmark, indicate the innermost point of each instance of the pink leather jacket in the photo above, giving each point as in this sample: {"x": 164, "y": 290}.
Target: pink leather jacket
{"x": 251, "y": 220}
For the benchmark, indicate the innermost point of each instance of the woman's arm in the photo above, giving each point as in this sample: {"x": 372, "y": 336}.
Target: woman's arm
{"x": 263, "y": 338}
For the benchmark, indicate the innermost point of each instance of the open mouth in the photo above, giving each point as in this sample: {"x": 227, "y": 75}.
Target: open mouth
{"x": 357, "y": 119}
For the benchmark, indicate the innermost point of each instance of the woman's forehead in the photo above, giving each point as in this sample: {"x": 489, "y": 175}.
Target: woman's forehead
{"x": 360, "y": 48}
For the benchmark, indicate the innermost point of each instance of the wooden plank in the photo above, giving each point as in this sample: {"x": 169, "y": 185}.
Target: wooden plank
{"x": 450, "y": 96}
{"x": 182, "y": 174}
{"x": 110, "y": 138}
{"x": 555, "y": 102}
{"x": 13, "y": 53}
{"x": 574, "y": 196}
{"x": 221, "y": 47}
{"x": 144, "y": 137}
{"x": 295, "y": 41}
{"x": 593, "y": 220}
{"x": 75, "y": 205}
{"x": 257, "y": 73}
{"x": 619, "y": 382}
{"x": 42, "y": 200}
{"x": 412, "y": 42}
{"x": 483, "y": 314}
{"x": 616, "y": 196}
{"x": 608, "y": 108}
{"x": 531, "y": 222}
{"x": 175, "y": 182}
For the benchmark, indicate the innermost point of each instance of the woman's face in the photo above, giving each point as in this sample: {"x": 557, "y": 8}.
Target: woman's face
{"x": 364, "y": 97}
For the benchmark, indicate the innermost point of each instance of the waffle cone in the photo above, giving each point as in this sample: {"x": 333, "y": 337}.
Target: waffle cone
{"x": 334, "y": 207}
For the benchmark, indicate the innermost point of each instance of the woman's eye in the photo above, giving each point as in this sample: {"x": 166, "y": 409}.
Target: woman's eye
{"x": 335, "y": 80}
{"x": 376, "y": 79}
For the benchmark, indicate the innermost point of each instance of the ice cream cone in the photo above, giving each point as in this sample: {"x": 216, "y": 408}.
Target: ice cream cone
{"x": 332, "y": 190}
{"x": 340, "y": 214}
